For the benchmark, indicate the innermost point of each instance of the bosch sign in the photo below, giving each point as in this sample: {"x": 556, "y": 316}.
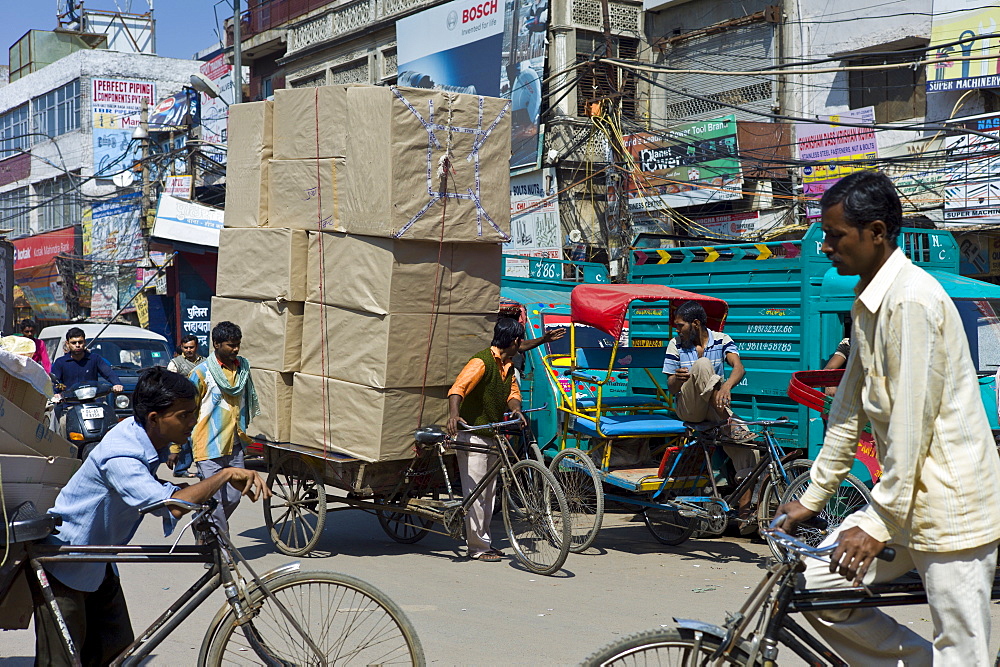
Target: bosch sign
{"x": 479, "y": 11}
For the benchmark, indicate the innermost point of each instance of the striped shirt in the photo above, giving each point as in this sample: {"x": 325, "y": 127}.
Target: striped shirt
{"x": 218, "y": 424}
{"x": 718, "y": 347}
{"x": 911, "y": 375}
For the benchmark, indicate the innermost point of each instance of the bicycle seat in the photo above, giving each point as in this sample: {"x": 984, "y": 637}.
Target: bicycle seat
{"x": 430, "y": 435}
{"x": 27, "y": 524}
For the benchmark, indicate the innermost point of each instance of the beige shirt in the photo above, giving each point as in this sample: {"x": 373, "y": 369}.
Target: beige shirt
{"x": 911, "y": 375}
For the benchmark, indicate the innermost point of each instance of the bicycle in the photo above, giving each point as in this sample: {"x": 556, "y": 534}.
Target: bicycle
{"x": 283, "y": 617}
{"x": 752, "y": 635}
{"x": 535, "y": 512}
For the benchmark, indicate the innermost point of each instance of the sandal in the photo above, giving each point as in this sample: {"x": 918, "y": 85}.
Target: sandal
{"x": 491, "y": 556}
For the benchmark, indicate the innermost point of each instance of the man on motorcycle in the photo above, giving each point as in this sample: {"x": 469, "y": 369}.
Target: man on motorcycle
{"x": 81, "y": 365}
{"x": 76, "y": 366}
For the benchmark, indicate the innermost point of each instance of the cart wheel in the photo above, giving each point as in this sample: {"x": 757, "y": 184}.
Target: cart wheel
{"x": 296, "y": 511}
{"x": 580, "y": 481}
{"x": 403, "y": 527}
{"x": 536, "y": 517}
{"x": 668, "y": 526}
{"x": 771, "y": 494}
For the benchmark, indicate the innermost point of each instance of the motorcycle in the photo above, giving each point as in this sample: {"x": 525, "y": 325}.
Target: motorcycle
{"x": 88, "y": 411}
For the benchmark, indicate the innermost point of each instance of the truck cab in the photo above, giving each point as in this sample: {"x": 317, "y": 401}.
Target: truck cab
{"x": 789, "y": 308}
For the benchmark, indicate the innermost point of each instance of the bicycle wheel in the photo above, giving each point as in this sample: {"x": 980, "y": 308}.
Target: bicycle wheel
{"x": 849, "y": 498}
{"x": 403, "y": 527}
{"x": 351, "y": 623}
{"x": 536, "y": 517}
{"x": 668, "y": 526}
{"x": 664, "y": 647}
{"x": 581, "y": 483}
{"x": 770, "y": 497}
{"x": 296, "y": 511}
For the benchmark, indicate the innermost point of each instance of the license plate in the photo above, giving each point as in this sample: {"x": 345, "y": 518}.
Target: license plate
{"x": 92, "y": 413}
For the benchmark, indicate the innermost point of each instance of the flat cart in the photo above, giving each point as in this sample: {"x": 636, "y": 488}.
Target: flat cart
{"x": 412, "y": 498}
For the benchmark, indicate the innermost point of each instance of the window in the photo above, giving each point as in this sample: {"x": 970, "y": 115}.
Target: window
{"x": 57, "y": 112}
{"x": 58, "y": 203}
{"x": 597, "y": 83}
{"x": 15, "y": 211}
{"x": 14, "y": 130}
{"x": 896, "y": 94}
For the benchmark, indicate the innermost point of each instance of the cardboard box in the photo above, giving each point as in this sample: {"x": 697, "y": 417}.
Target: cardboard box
{"x": 385, "y": 351}
{"x": 398, "y": 137}
{"x": 35, "y": 478}
{"x": 28, "y": 436}
{"x": 364, "y": 422}
{"x": 265, "y": 264}
{"x": 306, "y": 194}
{"x": 380, "y": 275}
{"x": 272, "y": 330}
{"x": 310, "y": 123}
{"x": 23, "y": 395}
{"x": 274, "y": 392}
{"x": 250, "y": 150}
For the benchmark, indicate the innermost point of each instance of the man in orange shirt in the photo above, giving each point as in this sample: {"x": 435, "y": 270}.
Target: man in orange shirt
{"x": 484, "y": 391}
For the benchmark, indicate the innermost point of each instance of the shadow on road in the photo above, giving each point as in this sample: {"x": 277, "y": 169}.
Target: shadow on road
{"x": 22, "y": 661}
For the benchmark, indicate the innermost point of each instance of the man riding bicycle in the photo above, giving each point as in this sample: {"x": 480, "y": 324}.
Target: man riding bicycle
{"x": 909, "y": 374}
{"x": 100, "y": 506}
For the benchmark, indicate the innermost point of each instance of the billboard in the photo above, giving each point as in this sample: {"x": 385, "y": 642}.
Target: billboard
{"x": 187, "y": 221}
{"x": 115, "y": 105}
{"x": 534, "y": 215}
{"x": 972, "y": 173}
{"x": 692, "y": 163}
{"x": 176, "y": 112}
{"x": 40, "y": 249}
{"x": 116, "y": 229}
{"x": 494, "y": 48}
{"x": 960, "y": 20}
{"x": 836, "y": 150}
{"x": 215, "y": 110}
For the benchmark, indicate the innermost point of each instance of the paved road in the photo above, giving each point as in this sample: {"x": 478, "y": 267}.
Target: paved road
{"x": 473, "y": 613}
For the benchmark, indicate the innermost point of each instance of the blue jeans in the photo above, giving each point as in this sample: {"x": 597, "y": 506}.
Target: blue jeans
{"x": 184, "y": 460}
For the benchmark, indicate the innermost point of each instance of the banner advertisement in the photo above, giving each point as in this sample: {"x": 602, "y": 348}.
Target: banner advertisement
{"x": 837, "y": 151}
{"x": 534, "y": 215}
{"x": 978, "y": 255}
{"x": 972, "y": 173}
{"x": 730, "y": 225}
{"x": 42, "y": 249}
{"x": 179, "y": 186}
{"x": 176, "y": 112}
{"x": 187, "y": 221}
{"x": 104, "y": 298}
{"x": 694, "y": 163}
{"x": 960, "y": 20}
{"x": 116, "y": 229}
{"x": 493, "y": 48}
{"x": 215, "y": 111}
{"x": 115, "y": 107}
{"x": 921, "y": 176}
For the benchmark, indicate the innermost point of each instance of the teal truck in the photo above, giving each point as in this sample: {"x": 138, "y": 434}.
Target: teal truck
{"x": 789, "y": 308}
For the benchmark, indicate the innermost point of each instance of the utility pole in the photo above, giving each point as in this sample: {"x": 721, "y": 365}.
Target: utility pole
{"x": 144, "y": 127}
{"x": 237, "y": 54}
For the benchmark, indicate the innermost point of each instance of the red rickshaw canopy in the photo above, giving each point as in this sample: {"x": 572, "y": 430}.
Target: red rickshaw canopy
{"x": 604, "y": 307}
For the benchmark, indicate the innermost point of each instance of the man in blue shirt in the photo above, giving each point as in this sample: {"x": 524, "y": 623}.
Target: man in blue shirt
{"x": 79, "y": 365}
{"x": 100, "y": 506}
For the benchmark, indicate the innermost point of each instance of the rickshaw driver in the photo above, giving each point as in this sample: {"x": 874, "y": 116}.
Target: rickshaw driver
{"x": 483, "y": 391}
{"x": 694, "y": 364}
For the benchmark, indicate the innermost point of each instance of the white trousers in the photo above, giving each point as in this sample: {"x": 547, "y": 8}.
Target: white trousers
{"x": 472, "y": 468}
{"x": 958, "y": 585}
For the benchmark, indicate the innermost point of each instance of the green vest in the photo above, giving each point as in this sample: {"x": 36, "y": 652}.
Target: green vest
{"x": 487, "y": 401}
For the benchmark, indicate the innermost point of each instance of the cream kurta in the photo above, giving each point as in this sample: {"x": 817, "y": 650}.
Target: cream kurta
{"x": 911, "y": 375}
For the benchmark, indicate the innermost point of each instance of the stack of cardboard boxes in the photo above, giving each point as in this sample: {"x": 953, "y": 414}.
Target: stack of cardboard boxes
{"x": 361, "y": 290}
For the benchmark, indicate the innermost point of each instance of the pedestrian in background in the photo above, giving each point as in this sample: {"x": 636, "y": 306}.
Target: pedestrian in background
{"x": 227, "y": 402}
{"x": 181, "y": 457}
{"x": 41, "y": 356}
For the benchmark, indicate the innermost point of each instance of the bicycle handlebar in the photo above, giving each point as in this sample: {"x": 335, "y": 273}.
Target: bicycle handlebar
{"x": 175, "y": 502}
{"x": 780, "y": 421}
{"x": 495, "y": 425}
{"x": 887, "y": 554}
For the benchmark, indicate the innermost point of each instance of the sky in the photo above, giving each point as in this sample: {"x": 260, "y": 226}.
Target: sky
{"x": 183, "y": 27}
